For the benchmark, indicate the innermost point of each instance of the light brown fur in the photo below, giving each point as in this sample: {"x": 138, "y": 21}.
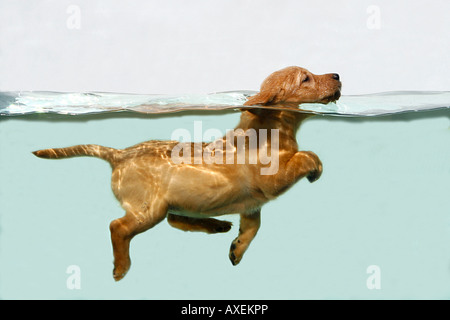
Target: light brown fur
{"x": 151, "y": 187}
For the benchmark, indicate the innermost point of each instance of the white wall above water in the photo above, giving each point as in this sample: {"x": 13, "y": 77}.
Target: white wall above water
{"x": 207, "y": 46}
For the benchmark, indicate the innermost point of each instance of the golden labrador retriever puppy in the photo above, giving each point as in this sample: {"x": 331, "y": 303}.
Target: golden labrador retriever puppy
{"x": 189, "y": 183}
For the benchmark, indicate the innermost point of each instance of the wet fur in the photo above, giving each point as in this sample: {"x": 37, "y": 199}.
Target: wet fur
{"x": 150, "y": 187}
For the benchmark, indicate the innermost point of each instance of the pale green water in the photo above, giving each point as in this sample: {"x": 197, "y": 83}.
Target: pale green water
{"x": 382, "y": 200}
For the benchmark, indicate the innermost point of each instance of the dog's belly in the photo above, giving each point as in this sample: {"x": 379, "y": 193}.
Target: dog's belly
{"x": 201, "y": 193}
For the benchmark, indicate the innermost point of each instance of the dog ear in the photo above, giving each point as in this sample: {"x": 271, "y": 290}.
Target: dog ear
{"x": 277, "y": 87}
{"x": 262, "y": 98}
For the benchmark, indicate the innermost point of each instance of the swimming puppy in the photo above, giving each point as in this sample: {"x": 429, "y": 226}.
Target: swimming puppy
{"x": 158, "y": 179}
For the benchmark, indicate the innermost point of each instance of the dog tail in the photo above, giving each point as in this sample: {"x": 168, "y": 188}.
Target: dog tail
{"x": 90, "y": 150}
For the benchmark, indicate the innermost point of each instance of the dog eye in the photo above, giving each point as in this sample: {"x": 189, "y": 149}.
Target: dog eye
{"x": 306, "y": 79}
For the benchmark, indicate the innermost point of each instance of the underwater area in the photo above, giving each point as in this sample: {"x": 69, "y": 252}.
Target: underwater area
{"x": 376, "y": 225}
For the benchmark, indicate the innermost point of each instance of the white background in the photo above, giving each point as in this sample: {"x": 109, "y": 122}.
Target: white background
{"x": 205, "y": 46}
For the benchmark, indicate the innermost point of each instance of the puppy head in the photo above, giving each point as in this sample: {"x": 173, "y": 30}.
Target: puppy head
{"x": 297, "y": 85}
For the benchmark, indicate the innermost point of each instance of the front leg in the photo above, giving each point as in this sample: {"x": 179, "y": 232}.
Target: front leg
{"x": 293, "y": 167}
{"x": 301, "y": 164}
{"x": 248, "y": 228}
{"x": 208, "y": 225}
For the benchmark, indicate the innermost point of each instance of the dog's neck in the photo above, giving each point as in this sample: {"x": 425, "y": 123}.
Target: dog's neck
{"x": 287, "y": 122}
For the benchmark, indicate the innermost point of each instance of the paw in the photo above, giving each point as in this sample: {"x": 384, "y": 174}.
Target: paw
{"x": 218, "y": 226}
{"x": 120, "y": 270}
{"x": 236, "y": 252}
{"x": 316, "y": 166}
{"x": 313, "y": 175}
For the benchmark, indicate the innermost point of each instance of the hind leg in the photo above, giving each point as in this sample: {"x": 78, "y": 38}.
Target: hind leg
{"x": 125, "y": 228}
{"x": 207, "y": 225}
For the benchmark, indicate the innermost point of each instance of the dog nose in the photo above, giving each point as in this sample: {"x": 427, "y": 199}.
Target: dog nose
{"x": 335, "y": 76}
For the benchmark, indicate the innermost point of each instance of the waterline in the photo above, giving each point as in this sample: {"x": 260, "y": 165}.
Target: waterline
{"x": 377, "y": 104}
